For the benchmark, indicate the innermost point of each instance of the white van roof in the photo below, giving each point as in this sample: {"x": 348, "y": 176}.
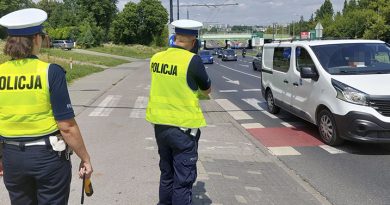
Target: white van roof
{"x": 319, "y": 42}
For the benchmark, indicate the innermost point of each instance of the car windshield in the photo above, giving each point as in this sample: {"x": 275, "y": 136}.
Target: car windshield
{"x": 354, "y": 58}
{"x": 69, "y": 41}
{"x": 205, "y": 53}
{"x": 229, "y": 52}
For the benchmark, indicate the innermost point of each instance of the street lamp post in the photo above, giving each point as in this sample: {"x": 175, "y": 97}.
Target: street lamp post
{"x": 170, "y": 11}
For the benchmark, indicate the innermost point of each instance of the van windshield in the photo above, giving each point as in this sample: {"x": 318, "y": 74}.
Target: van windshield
{"x": 354, "y": 58}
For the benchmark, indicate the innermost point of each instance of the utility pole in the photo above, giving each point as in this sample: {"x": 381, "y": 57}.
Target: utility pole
{"x": 178, "y": 10}
{"x": 170, "y": 11}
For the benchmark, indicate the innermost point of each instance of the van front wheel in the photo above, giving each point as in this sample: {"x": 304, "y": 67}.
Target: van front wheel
{"x": 272, "y": 108}
{"x": 327, "y": 128}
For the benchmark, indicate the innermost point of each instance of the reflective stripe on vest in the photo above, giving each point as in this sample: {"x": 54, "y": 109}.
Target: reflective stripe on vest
{"x": 171, "y": 101}
{"x": 25, "y": 109}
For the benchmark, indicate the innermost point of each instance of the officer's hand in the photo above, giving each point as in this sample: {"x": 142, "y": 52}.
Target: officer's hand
{"x": 85, "y": 168}
{"x": 1, "y": 167}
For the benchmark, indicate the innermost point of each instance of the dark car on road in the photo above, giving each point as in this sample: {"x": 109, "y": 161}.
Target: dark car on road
{"x": 206, "y": 56}
{"x": 257, "y": 60}
{"x": 220, "y": 52}
{"x": 229, "y": 55}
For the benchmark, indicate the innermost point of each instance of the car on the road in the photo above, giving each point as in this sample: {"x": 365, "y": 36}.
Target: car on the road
{"x": 342, "y": 86}
{"x": 229, "y": 55}
{"x": 63, "y": 44}
{"x": 207, "y": 57}
{"x": 256, "y": 63}
{"x": 220, "y": 52}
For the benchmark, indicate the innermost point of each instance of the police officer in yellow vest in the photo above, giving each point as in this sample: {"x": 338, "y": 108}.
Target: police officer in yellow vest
{"x": 37, "y": 125}
{"x": 178, "y": 78}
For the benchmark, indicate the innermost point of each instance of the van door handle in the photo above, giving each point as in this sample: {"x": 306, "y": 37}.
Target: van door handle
{"x": 285, "y": 81}
{"x": 296, "y": 84}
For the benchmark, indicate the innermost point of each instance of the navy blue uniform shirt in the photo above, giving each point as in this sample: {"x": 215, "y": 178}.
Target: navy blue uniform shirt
{"x": 197, "y": 76}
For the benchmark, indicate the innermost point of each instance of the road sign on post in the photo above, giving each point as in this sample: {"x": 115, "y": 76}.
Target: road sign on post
{"x": 319, "y": 29}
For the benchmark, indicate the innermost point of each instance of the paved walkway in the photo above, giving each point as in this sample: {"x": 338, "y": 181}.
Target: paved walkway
{"x": 233, "y": 167}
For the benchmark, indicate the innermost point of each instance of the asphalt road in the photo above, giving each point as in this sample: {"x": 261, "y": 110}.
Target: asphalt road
{"x": 351, "y": 174}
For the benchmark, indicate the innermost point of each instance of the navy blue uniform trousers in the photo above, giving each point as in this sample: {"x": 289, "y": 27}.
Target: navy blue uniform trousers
{"x": 36, "y": 175}
{"x": 178, "y": 156}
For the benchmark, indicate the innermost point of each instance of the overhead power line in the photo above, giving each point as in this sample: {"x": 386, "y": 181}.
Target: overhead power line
{"x": 208, "y": 5}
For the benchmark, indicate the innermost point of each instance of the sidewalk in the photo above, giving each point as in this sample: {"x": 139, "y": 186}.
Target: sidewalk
{"x": 233, "y": 168}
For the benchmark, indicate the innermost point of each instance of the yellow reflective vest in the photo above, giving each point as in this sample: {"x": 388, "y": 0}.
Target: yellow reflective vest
{"x": 171, "y": 100}
{"x": 25, "y": 109}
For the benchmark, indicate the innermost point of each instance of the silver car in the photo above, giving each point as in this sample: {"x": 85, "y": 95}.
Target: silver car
{"x": 63, "y": 44}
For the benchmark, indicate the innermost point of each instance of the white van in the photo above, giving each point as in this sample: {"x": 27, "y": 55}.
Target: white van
{"x": 342, "y": 86}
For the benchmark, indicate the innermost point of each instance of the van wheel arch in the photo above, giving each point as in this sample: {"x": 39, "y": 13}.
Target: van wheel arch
{"x": 327, "y": 127}
{"x": 272, "y": 107}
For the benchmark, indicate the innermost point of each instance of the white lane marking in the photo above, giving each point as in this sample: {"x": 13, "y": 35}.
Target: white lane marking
{"x": 283, "y": 151}
{"x": 240, "y": 199}
{"x": 239, "y": 115}
{"x": 252, "y": 125}
{"x": 227, "y": 105}
{"x": 244, "y": 65}
{"x": 254, "y": 103}
{"x": 240, "y": 71}
{"x": 251, "y": 90}
{"x": 150, "y": 148}
{"x": 286, "y": 124}
{"x": 221, "y": 147}
{"x": 252, "y": 188}
{"x": 139, "y": 107}
{"x": 147, "y": 87}
{"x": 228, "y": 91}
{"x": 254, "y": 172}
{"x": 105, "y": 107}
{"x": 215, "y": 173}
{"x": 230, "y": 177}
{"x": 236, "y": 82}
{"x": 332, "y": 150}
{"x": 269, "y": 115}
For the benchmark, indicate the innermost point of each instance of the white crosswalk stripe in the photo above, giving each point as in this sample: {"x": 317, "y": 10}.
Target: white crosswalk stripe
{"x": 227, "y": 105}
{"x": 106, "y": 106}
{"x": 139, "y": 107}
{"x": 254, "y": 103}
{"x": 331, "y": 150}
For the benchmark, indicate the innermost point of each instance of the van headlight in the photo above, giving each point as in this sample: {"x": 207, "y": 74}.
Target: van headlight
{"x": 349, "y": 94}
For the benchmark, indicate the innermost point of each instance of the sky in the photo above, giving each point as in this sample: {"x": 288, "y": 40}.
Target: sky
{"x": 247, "y": 12}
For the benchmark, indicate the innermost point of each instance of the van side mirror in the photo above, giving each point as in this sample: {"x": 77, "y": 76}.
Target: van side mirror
{"x": 308, "y": 72}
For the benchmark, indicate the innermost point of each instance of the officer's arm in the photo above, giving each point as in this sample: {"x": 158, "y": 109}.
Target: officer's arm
{"x": 64, "y": 115}
{"x": 198, "y": 71}
{"x": 71, "y": 133}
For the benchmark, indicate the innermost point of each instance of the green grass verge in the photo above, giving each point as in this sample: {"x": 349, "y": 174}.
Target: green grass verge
{"x": 78, "y": 71}
{"x": 99, "y": 60}
{"x": 134, "y": 51}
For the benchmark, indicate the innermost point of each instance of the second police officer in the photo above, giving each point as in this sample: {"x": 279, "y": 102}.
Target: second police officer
{"x": 36, "y": 118}
{"x": 178, "y": 79}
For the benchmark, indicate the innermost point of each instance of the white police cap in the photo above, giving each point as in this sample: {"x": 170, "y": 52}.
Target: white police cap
{"x": 24, "y": 22}
{"x": 186, "y": 26}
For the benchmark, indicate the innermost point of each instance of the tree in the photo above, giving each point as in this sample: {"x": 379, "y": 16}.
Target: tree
{"x": 142, "y": 23}
{"x": 103, "y": 12}
{"x": 152, "y": 18}
{"x": 325, "y": 11}
{"x": 125, "y": 25}
{"x": 8, "y": 6}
